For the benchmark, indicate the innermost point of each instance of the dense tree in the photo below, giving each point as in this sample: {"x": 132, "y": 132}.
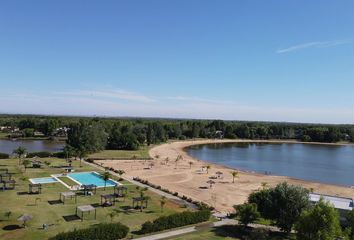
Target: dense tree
{"x": 87, "y": 137}
{"x": 350, "y": 224}
{"x": 283, "y": 204}
{"x": 123, "y": 138}
{"x": 319, "y": 223}
{"x": 247, "y": 213}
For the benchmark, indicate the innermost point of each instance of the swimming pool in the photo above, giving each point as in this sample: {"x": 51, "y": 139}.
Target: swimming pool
{"x": 43, "y": 180}
{"x": 87, "y": 178}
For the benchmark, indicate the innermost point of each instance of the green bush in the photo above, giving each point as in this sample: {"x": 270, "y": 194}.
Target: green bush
{"x": 4, "y": 156}
{"x": 174, "y": 221}
{"x": 59, "y": 155}
{"x": 103, "y": 231}
{"x": 39, "y": 154}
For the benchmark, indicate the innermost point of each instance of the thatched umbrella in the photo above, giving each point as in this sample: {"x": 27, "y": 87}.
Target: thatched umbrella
{"x": 219, "y": 173}
{"x": 211, "y": 182}
{"x": 24, "y": 218}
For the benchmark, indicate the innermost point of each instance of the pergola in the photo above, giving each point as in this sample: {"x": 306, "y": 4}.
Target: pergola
{"x": 10, "y": 184}
{"x": 89, "y": 188}
{"x": 109, "y": 199}
{"x": 141, "y": 200}
{"x": 64, "y": 195}
{"x": 84, "y": 208}
{"x": 5, "y": 177}
{"x": 35, "y": 188}
{"x": 120, "y": 191}
{"x": 36, "y": 164}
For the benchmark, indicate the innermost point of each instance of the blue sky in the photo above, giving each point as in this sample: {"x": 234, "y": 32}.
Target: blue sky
{"x": 243, "y": 60}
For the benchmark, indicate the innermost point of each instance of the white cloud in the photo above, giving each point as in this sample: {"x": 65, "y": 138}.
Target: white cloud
{"x": 324, "y": 44}
{"x": 113, "y": 94}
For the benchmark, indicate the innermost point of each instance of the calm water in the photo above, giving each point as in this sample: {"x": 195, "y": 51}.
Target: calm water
{"x": 320, "y": 163}
{"x": 7, "y": 146}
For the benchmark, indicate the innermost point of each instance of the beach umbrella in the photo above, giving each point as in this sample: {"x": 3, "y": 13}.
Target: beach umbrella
{"x": 211, "y": 182}
{"x": 219, "y": 173}
{"x": 24, "y": 218}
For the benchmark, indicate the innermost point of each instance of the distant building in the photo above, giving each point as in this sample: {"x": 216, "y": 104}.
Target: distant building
{"x": 343, "y": 205}
{"x": 61, "y": 132}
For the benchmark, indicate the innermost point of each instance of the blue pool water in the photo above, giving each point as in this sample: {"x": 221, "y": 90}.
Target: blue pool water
{"x": 87, "y": 178}
{"x": 43, "y": 180}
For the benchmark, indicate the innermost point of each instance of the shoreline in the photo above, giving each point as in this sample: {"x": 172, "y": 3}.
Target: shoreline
{"x": 189, "y": 180}
{"x": 267, "y": 142}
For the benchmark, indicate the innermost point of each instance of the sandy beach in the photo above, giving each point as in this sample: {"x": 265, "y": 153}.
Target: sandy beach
{"x": 190, "y": 180}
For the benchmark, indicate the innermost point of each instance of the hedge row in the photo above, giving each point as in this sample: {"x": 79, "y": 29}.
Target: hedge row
{"x": 4, "y": 156}
{"x": 45, "y": 154}
{"x": 174, "y": 221}
{"x": 200, "y": 205}
{"x": 103, "y": 231}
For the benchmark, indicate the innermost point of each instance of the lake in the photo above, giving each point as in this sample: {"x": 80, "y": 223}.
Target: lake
{"x": 319, "y": 163}
{"x": 7, "y": 145}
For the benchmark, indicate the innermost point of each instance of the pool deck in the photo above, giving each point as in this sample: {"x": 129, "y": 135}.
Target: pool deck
{"x": 78, "y": 186}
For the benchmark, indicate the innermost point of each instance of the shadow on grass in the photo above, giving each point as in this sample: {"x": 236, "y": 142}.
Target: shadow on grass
{"x": 54, "y": 202}
{"x": 22, "y": 193}
{"x": 11, "y": 227}
{"x": 70, "y": 218}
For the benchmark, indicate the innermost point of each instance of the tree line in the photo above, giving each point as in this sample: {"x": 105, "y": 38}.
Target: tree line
{"x": 129, "y": 133}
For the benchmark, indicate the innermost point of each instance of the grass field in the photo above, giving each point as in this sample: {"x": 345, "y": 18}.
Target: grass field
{"x": 143, "y": 152}
{"x": 52, "y": 214}
{"x": 228, "y": 232}
{"x": 3, "y": 135}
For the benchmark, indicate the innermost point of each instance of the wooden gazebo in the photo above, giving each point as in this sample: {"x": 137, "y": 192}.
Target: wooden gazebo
{"x": 83, "y": 209}
{"x": 89, "y": 188}
{"x": 64, "y": 195}
{"x": 120, "y": 191}
{"x": 34, "y": 188}
{"x": 6, "y": 176}
{"x": 109, "y": 200}
{"x": 9, "y": 184}
{"x": 141, "y": 200}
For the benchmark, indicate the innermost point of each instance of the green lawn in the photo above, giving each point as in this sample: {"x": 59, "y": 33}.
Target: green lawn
{"x": 3, "y": 135}
{"x": 67, "y": 181}
{"x": 143, "y": 152}
{"x": 43, "y": 212}
{"x": 227, "y": 232}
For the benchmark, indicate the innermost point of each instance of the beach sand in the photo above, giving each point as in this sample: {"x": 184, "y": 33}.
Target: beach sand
{"x": 191, "y": 181}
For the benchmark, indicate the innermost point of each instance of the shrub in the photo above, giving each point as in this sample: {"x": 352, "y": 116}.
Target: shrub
{"x": 174, "y": 221}
{"x": 39, "y": 154}
{"x": 103, "y": 231}
{"x": 59, "y": 155}
{"x": 4, "y": 156}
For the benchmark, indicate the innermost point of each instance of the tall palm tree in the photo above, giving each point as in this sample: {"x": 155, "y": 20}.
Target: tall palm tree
{"x": 68, "y": 152}
{"x": 25, "y": 163}
{"x": 190, "y": 164}
{"x": 82, "y": 154}
{"x": 105, "y": 176}
{"x": 20, "y": 151}
{"x": 113, "y": 214}
{"x": 234, "y": 175}
{"x": 162, "y": 202}
{"x": 207, "y": 168}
